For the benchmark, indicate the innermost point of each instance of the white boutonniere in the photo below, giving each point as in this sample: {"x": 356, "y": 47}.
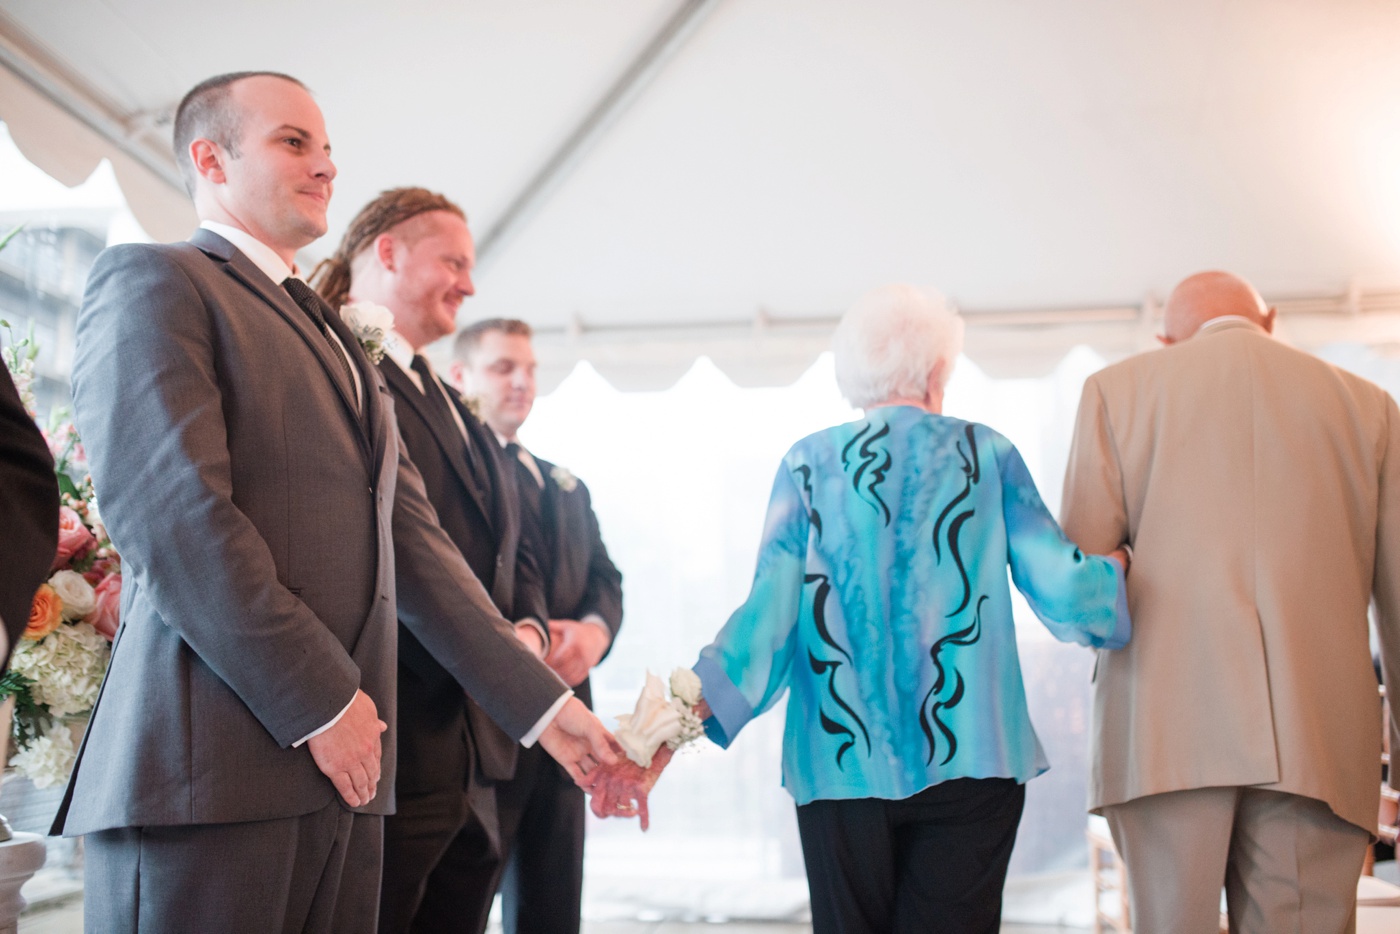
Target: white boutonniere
{"x": 473, "y": 404}
{"x": 371, "y": 324}
{"x": 565, "y": 478}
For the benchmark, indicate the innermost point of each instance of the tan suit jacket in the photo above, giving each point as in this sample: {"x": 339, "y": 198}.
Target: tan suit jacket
{"x": 1260, "y": 490}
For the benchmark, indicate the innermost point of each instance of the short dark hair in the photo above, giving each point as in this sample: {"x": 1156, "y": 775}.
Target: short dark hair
{"x": 206, "y": 113}
{"x": 469, "y": 338}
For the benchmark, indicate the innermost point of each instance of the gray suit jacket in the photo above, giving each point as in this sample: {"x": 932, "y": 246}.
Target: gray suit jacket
{"x": 1260, "y": 490}
{"x": 268, "y": 533}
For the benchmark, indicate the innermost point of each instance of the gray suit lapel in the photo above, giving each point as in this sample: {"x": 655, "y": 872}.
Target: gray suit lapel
{"x": 246, "y": 272}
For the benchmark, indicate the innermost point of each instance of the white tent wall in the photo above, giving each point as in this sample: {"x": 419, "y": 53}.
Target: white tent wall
{"x": 1054, "y": 168}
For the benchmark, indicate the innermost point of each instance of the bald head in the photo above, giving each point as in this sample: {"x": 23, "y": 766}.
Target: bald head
{"x": 1208, "y": 295}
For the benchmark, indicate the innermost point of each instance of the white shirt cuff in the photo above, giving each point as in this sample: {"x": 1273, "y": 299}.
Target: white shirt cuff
{"x": 530, "y": 738}
{"x": 540, "y": 628}
{"x": 327, "y": 726}
{"x": 596, "y": 620}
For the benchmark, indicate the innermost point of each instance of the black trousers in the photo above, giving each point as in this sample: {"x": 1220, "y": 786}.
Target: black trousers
{"x": 542, "y": 820}
{"x": 929, "y": 864}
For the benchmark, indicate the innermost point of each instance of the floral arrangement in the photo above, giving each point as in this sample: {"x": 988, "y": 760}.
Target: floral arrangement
{"x": 371, "y": 324}
{"x": 659, "y": 718}
{"x": 58, "y": 665}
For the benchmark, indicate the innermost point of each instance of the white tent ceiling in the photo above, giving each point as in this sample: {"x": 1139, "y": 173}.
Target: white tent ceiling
{"x": 781, "y": 156}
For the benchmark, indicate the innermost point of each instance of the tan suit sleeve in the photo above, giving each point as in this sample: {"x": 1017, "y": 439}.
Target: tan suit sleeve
{"x": 1093, "y": 512}
{"x": 1386, "y": 587}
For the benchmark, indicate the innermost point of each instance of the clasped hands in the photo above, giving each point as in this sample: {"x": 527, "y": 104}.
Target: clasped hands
{"x": 350, "y": 751}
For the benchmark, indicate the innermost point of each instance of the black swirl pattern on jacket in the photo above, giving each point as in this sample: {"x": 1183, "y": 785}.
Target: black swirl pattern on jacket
{"x": 934, "y": 702}
{"x": 813, "y": 516}
{"x": 928, "y": 715}
{"x": 972, "y": 471}
{"x": 829, "y": 667}
{"x": 873, "y": 466}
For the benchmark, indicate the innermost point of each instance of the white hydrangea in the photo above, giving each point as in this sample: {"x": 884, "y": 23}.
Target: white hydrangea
{"x": 48, "y": 760}
{"x": 66, "y": 667}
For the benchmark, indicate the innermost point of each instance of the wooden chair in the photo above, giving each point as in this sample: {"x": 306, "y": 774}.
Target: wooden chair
{"x": 1110, "y": 880}
{"x": 1373, "y": 893}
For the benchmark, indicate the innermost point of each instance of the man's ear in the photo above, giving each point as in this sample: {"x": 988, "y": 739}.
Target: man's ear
{"x": 457, "y": 375}
{"x": 384, "y": 251}
{"x": 1267, "y": 323}
{"x": 208, "y": 160}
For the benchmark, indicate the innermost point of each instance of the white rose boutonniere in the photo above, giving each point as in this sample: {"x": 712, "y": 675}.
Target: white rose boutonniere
{"x": 371, "y": 324}
{"x": 565, "y": 478}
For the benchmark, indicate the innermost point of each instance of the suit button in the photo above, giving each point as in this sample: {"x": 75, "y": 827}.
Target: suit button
{"x": 500, "y": 562}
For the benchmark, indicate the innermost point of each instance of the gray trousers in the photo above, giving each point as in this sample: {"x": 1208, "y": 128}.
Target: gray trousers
{"x": 1288, "y": 864}
{"x": 314, "y": 873}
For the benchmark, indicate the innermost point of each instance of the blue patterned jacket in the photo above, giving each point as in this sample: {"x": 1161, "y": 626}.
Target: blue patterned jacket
{"x": 881, "y": 603}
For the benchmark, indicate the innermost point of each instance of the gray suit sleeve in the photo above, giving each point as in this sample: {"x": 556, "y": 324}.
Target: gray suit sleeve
{"x": 443, "y": 604}
{"x": 149, "y": 407}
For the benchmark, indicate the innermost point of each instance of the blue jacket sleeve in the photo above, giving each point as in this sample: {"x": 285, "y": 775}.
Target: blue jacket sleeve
{"x": 745, "y": 670}
{"x": 1080, "y": 598}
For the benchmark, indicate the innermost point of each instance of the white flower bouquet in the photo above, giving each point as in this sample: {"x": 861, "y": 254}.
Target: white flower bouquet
{"x": 58, "y": 665}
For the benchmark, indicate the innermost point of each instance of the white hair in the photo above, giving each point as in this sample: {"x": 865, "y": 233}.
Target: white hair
{"x": 889, "y": 342}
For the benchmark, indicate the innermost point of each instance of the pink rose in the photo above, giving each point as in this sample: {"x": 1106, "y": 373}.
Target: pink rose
{"x": 101, "y": 568}
{"x": 73, "y": 537}
{"x": 108, "y": 613}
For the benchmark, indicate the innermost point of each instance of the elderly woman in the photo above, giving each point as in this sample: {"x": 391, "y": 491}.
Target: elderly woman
{"x": 881, "y": 605}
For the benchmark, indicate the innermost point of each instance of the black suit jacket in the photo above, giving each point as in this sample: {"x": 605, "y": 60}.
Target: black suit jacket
{"x": 579, "y": 577}
{"x": 440, "y": 729}
{"x": 28, "y": 512}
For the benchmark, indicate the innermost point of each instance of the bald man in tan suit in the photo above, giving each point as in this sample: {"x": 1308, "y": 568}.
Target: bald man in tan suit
{"x": 1236, "y": 738}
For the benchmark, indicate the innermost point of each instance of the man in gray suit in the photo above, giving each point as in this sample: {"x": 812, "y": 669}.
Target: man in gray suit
{"x": 252, "y": 477}
{"x": 1236, "y": 740}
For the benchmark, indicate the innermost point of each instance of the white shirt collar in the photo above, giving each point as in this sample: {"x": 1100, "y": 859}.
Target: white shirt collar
{"x": 397, "y": 347}
{"x": 1224, "y": 319}
{"x": 263, "y": 256}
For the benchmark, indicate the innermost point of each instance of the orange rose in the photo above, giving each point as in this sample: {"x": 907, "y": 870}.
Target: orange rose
{"x": 45, "y": 613}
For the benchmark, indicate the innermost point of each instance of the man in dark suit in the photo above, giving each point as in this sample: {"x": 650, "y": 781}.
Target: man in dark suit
{"x": 541, "y": 811}
{"x": 270, "y": 523}
{"x": 410, "y": 251}
{"x": 28, "y": 513}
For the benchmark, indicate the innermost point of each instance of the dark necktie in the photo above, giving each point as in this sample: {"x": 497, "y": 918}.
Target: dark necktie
{"x": 525, "y": 481}
{"x": 441, "y": 410}
{"x": 432, "y": 394}
{"x": 315, "y": 308}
